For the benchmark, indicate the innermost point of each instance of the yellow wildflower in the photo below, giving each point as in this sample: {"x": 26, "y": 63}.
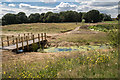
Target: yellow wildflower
{"x": 9, "y": 76}
{"x": 4, "y": 72}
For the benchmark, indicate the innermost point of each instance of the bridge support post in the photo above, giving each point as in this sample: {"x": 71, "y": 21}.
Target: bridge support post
{"x": 19, "y": 37}
{"x": 13, "y": 39}
{"x": 45, "y": 36}
{"x": 42, "y": 41}
{"x": 17, "y": 44}
{"x": 2, "y": 42}
{"x": 39, "y": 38}
{"x": 31, "y": 36}
{"x": 42, "y": 36}
{"x": 22, "y": 43}
{"x": 24, "y": 37}
{"x": 28, "y": 35}
{"x": 8, "y": 40}
{"x": 33, "y": 39}
{"x": 27, "y": 43}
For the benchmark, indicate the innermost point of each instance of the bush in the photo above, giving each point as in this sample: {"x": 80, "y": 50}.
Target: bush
{"x": 113, "y": 35}
{"x": 104, "y": 28}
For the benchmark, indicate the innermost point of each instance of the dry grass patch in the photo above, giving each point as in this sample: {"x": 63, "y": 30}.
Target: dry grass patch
{"x": 83, "y": 39}
{"x": 40, "y": 27}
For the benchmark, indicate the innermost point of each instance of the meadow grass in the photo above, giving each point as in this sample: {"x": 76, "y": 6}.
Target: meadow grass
{"x": 40, "y": 27}
{"x": 90, "y": 64}
{"x": 99, "y": 38}
{"x": 113, "y": 22}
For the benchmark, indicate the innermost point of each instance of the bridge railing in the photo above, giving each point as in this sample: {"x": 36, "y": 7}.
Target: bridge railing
{"x": 11, "y": 40}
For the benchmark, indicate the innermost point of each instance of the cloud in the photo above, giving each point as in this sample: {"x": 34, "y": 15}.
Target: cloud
{"x": 34, "y": 8}
{"x": 66, "y": 6}
{"x": 61, "y": 7}
{"x": 47, "y": 0}
{"x": 28, "y": 8}
{"x": 107, "y": 0}
{"x": 9, "y": 0}
{"x": 58, "y": 0}
{"x": 11, "y": 5}
{"x": 82, "y": 0}
{"x": 107, "y": 4}
{"x": 97, "y": 0}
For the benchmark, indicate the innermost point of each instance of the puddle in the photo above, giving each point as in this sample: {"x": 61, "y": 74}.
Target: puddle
{"x": 75, "y": 48}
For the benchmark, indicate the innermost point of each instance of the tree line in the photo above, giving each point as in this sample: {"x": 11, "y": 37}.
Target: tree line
{"x": 91, "y": 16}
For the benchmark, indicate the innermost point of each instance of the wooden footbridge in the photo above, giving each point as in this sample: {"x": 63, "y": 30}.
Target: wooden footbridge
{"x": 21, "y": 41}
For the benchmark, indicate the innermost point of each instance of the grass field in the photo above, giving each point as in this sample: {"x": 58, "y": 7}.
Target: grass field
{"x": 84, "y": 64}
{"x": 40, "y": 27}
{"x": 90, "y": 64}
{"x": 84, "y": 38}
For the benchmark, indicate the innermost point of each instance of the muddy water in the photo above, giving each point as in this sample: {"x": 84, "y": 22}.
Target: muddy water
{"x": 75, "y": 48}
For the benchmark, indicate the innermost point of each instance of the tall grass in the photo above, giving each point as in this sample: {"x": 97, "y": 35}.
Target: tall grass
{"x": 40, "y": 27}
{"x": 83, "y": 39}
{"x": 93, "y": 64}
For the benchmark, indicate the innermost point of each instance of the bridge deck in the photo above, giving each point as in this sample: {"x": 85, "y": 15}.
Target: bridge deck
{"x": 11, "y": 47}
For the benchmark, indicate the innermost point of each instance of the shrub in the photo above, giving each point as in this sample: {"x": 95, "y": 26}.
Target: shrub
{"x": 113, "y": 35}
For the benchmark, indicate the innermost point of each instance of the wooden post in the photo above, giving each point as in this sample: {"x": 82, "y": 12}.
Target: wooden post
{"x": 28, "y": 36}
{"x": 17, "y": 44}
{"x": 45, "y": 36}
{"x": 42, "y": 36}
{"x": 13, "y": 39}
{"x": 31, "y": 35}
{"x": 2, "y": 42}
{"x": 22, "y": 43}
{"x": 33, "y": 39}
{"x": 27, "y": 43}
{"x": 8, "y": 40}
{"x": 19, "y": 37}
{"x": 24, "y": 37}
{"x": 39, "y": 38}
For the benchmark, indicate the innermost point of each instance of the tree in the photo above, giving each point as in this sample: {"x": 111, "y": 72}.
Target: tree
{"x": 62, "y": 16}
{"x": 107, "y": 17}
{"x": 21, "y": 17}
{"x": 80, "y": 17}
{"x": 34, "y": 18}
{"x": 41, "y": 17}
{"x": 9, "y": 19}
{"x": 70, "y": 16}
{"x": 92, "y": 16}
{"x": 87, "y": 18}
{"x": 118, "y": 17}
{"x": 46, "y": 15}
{"x": 101, "y": 17}
{"x": 54, "y": 17}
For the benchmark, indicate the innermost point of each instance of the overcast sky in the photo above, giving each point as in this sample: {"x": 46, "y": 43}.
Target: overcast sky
{"x": 43, "y": 6}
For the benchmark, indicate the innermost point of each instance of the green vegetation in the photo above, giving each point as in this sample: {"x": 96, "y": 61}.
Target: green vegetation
{"x": 96, "y": 63}
{"x": 104, "y": 28}
{"x": 49, "y": 17}
{"x": 112, "y": 31}
{"x": 113, "y": 35}
{"x": 113, "y": 22}
{"x": 92, "y": 16}
{"x": 83, "y": 39}
{"x": 90, "y": 64}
